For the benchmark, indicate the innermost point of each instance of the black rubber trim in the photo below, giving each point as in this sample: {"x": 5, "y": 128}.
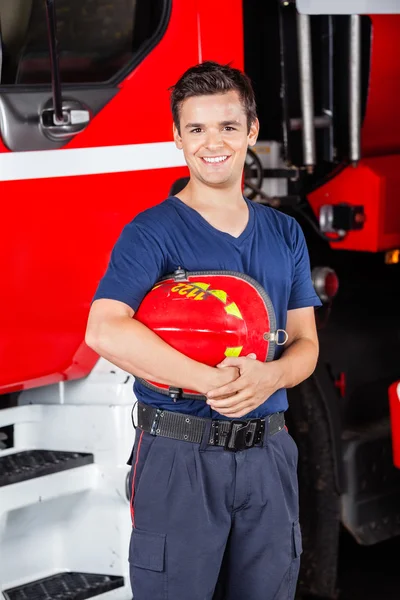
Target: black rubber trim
{"x": 265, "y": 297}
{"x": 147, "y": 47}
{"x": 30, "y": 464}
{"x": 66, "y": 586}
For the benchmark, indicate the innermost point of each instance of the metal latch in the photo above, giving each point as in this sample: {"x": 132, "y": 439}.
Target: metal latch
{"x": 180, "y": 274}
{"x": 273, "y": 336}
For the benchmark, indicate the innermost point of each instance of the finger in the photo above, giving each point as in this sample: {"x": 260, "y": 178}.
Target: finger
{"x": 229, "y": 389}
{"x": 231, "y": 401}
{"x": 232, "y": 361}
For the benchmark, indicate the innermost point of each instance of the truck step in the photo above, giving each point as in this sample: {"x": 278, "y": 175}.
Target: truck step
{"x": 371, "y": 499}
{"x": 65, "y": 586}
{"x": 30, "y": 464}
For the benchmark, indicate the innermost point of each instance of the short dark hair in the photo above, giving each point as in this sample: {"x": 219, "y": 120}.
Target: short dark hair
{"x": 210, "y": 78}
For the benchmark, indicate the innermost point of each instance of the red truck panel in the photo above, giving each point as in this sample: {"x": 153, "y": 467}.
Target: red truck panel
{"x": 394, "y": 401}
{"x": 375, "y": 184}
{"x": 57, "y": 233}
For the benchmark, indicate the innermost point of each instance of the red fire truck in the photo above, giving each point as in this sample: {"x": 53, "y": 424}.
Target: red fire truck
{"x": 85, "y": 144}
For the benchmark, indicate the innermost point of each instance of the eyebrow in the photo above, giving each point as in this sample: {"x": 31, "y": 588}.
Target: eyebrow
{"x": 222, "y": 123}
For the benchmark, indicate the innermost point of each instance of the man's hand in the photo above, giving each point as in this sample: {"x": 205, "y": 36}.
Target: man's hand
{"x": 257, "y": 382}
{"x": 222, "y": 377}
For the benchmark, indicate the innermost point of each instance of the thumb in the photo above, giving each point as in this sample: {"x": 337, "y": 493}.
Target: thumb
{"x": 230, "y": 361}
{"x": 233, "y": 361}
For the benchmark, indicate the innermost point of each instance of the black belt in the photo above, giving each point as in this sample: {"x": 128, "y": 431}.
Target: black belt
{"x": 233, "y": 435}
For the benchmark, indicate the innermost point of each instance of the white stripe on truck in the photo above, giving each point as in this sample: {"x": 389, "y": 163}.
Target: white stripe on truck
{"x": 89, "y": 161}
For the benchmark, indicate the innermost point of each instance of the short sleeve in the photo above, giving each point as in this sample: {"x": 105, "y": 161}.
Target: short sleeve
{"x": 302, "y": 292}
{"x": 137, "y": 262}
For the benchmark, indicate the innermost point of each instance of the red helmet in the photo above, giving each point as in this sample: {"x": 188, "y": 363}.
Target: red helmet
{"x": 208, "y": 316}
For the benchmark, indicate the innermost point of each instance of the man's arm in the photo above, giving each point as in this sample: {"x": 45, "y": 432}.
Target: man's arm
{"x": 300, "y": 356}
{"x": 127, "y": 343}
{"x": 258, "y": 380}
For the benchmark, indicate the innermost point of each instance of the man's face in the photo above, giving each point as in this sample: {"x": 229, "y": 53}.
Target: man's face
{"x": 214, "y": 137}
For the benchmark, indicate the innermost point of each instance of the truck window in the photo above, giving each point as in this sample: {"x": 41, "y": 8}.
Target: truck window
{"x": 97, "y": 39}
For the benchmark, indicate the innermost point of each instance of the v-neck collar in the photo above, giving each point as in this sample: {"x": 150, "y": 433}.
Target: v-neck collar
{"x": 234, "y": 240}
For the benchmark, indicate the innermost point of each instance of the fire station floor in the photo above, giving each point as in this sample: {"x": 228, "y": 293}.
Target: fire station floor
{"x": 368, "y": 572}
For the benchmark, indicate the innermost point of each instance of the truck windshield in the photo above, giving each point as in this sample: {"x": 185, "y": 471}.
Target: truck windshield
{"x": 97, "y": 39}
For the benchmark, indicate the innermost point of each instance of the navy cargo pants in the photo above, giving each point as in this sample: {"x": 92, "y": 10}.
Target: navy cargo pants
{"x": 210, "y": 524}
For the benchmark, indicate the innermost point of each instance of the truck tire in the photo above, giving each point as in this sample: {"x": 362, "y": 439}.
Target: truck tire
{"x": 311, "y": 425}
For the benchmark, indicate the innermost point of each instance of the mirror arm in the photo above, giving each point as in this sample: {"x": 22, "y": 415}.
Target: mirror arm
{"x": 54, "y": 61}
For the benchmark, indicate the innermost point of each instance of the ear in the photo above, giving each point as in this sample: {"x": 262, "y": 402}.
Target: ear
{"x": 177, "y": 137}
{"x": 253, "y": 133}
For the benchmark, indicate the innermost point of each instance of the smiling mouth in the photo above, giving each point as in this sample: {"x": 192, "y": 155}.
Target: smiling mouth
{"x": 215, "y": 160}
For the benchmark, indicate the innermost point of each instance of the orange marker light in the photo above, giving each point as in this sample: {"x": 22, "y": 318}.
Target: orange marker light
{"x": 392, "y": 257}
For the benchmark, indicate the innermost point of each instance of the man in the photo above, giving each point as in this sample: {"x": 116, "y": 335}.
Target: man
{"x": 208, "y": 522}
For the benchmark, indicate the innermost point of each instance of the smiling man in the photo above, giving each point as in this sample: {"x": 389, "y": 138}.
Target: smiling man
{"x": 209, "y": 523}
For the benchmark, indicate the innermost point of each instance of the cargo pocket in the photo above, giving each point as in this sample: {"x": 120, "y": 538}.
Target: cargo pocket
{"x": 147, "y": 565}
{"x": 287, "y": 587}
{"x": 297, "y": 549}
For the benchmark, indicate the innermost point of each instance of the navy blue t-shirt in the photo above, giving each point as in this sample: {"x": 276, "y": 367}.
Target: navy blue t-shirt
{"x": 271, "y": 250}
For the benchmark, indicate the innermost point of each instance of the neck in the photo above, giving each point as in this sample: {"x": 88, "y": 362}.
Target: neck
{"x": 196, "y": 193}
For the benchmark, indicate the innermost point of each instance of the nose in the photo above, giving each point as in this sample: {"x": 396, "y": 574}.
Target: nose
{"x": 214, "y": 140}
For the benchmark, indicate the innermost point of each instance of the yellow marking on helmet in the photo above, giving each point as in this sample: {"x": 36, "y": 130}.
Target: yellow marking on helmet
{"x": 232, "y": 309}
{"x": 200, "y": 284}
{"x": 199, "y": 296}
{"x": 220, "y": 294}
{"x": 176, "y": 288}
{"x": 193, "y": 293}
{"x": 185, "y": 289}
{"x": 157, "y": 286}
{"x": 233, "y": 351}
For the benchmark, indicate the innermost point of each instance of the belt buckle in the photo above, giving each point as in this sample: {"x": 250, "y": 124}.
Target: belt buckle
{"x": 241, "y": 436}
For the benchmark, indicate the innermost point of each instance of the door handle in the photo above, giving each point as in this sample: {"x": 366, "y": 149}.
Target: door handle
{"x": 76, "y": 117}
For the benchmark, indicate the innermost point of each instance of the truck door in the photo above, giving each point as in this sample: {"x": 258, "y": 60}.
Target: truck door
{"x": 68, "y": 188}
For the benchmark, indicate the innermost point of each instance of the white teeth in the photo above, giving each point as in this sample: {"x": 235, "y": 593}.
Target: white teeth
{"x": 215, "y": 160}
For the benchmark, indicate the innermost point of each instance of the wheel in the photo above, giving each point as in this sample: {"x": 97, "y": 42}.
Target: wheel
{"x": 310, "y": 425}
{"x": 253, "y": 174}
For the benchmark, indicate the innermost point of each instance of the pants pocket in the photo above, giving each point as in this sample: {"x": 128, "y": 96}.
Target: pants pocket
{"x": 147, "y": 565}
{"x": 290, "y": 448}
{"x": 140, "y": 456}
{"x": 297, "y": 540}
